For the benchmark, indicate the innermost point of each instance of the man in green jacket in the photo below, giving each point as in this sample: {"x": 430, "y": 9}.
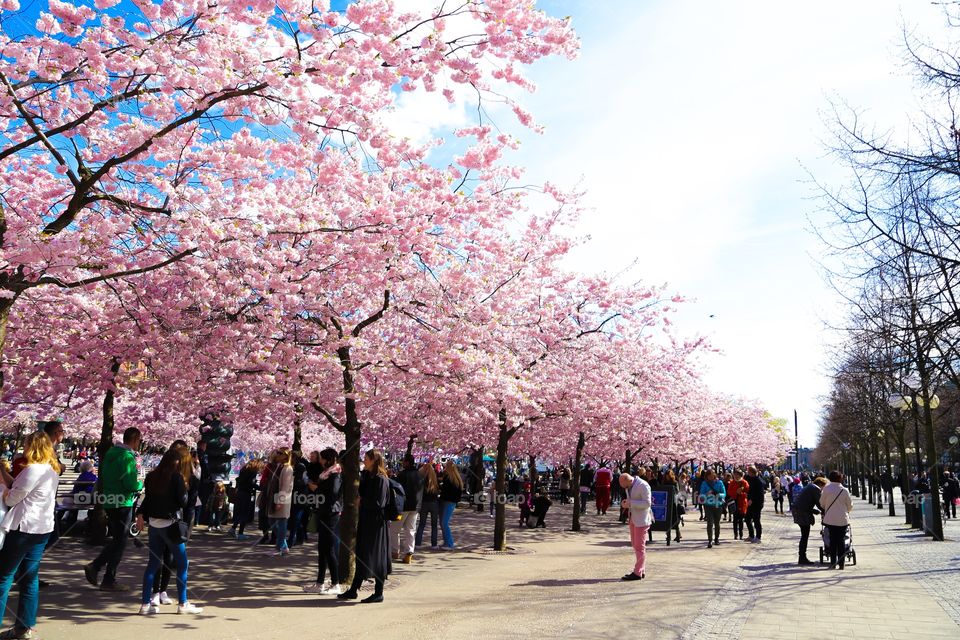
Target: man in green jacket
{"x": 120, "y": 484}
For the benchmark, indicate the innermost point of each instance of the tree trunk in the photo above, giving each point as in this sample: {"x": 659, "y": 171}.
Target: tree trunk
{"x": 933, "y": 463}
{"x": 410, "y": 441}
{"x": 886, "y": 448}
{"x": 350, "y": 471}
{"x": 500, "y": 512}
{"x": 5, "y": 305}
{"x": 106, "y": 427}
{"x": 350, "y": 475}
{"x": 877, "y": 483}
{"x": 575, "y": 481}
{"x": 298, "y": 432}
{"x": 532, "y": 473}
{"x": 904, "y": 476}
{"x": 478, "y": 475}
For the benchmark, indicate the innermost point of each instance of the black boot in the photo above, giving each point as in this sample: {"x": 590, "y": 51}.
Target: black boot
{"x": 377, "y": 593}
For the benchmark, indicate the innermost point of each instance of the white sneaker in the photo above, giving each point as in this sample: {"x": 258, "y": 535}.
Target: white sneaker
{"x": 334, "y": 590}
{"x": 155, "y": 600}
{"x": 149, "y": 609}
{"x": 163, "y": 598}
{"x": 314, "y": 587}
{"x": 187, "y": 607}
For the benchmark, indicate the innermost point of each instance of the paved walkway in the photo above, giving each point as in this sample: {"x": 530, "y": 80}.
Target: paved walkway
{"x": 903, "y": 586}
{"x": 557, "y": 583}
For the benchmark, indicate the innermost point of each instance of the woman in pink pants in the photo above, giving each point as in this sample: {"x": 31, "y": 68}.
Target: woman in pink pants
{"x": 638, "y": 500}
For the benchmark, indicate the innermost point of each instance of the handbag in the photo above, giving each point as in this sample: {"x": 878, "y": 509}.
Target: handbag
{"x": 3, "y": 515}
{"x": 313, "y": 524}
{"x": 179, "y": 530}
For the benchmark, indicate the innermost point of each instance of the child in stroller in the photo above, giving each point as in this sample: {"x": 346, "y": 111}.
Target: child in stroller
{"x": 848, "y": 549}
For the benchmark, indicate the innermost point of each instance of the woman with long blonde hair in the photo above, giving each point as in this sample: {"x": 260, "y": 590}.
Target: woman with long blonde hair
{"x": 27, "y": 525}
{"x": 373, "y": 537}
{"x": 430, "y": 505}
{"x": 451, "y": 490}
{"x": 279, "y": 496}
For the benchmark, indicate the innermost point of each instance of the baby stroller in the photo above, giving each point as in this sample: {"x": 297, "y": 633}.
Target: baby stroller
{"x": 847, "y": 546}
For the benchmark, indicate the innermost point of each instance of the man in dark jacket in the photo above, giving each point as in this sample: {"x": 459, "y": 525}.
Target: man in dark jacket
{"x": 755, "y": 496}
{"x": 951, "y": 491}
{"x": 804, "y": 514}
{"x": 586, "y": 483}
{"x": 402, "y": 531}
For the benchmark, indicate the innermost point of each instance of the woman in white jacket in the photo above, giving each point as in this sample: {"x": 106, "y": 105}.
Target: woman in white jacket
{"x": 27, "y": 525}
{"x": 836, "y": 505}
{"x": 281, "y": 492}
{"x": 638, "y": 501}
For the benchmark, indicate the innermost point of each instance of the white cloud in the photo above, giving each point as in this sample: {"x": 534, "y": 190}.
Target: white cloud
{"x": 691, "y": 126}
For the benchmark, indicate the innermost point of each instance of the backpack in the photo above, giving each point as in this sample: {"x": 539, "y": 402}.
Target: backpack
{"x": 395, "y": 500}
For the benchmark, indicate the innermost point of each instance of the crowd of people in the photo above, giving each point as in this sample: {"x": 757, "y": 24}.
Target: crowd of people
{"x": 286, "y": 497}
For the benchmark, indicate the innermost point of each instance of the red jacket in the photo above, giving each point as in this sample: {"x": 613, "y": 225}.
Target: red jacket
{"x": 737, "y": 490}
{"x": 603, "y": 477}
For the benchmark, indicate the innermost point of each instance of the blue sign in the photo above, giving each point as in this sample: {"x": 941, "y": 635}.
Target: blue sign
{"x": 659, "y": 501}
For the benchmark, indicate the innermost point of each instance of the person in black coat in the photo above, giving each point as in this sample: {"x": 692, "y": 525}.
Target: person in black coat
{"x": 586, "y": 482}
{"x": 403, "y": 531}
{"x": 951, "y": 491}
{"x": 541, "y": 504}
{"x": 755, "y": 496}
{"x": 297, "y": 522}
{"x": 327, "y": 490}
{"x": 373, "y": 536}
{"x": 244, "y": 506}
{"x": 804, "y": 514}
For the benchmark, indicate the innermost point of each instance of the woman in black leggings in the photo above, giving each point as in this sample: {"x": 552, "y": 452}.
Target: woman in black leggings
{"x": 328, "y": 491}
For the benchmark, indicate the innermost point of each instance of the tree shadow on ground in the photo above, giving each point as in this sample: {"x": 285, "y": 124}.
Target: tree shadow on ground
{"x": 564, "y": 583}
{"x": 233, "y": 575}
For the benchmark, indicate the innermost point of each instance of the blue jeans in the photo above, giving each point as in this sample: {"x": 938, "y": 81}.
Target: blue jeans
{"x": 280, "y": 526}
{"x": 433, "y": 509}
{"x": 446, "y": 513}
{"x": 24, "y": 549}
{"x": 296, "y": 526}
{"x": 161, "y": 539}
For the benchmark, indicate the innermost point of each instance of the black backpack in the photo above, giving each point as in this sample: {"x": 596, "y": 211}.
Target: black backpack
{"x": 395, "y": 501}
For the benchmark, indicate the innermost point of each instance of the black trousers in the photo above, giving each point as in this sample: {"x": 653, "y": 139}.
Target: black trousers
{"x": 328, "y": 548}
{"x": 804, "y": 538}
{"x": 738, "y": 525}
{"x": 778, "y": 503}
{"x": 753, "y": 521}
{"x": 118, "y": 525}
{"x": 837, "y": 549}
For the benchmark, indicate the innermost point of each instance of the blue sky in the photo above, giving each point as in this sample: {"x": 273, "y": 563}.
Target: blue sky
{"x": 695, "y": 127}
